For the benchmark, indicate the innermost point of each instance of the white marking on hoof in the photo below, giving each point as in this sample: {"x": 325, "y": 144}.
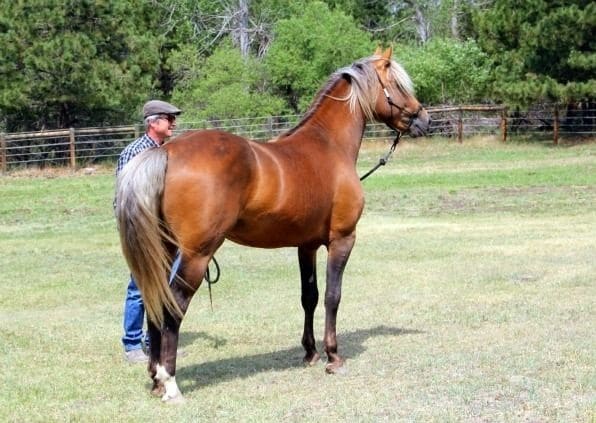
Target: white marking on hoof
{"x": 161, "y": 373}
{"x": 172, "y": 394}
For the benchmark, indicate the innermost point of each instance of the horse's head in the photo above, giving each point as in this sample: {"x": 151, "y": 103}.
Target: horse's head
{"x": 391, "y": 95}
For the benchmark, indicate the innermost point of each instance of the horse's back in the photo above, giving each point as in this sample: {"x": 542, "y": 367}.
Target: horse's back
{"x": 208, "y": 150}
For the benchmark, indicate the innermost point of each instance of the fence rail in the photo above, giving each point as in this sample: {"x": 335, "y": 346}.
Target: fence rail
{"x": 83, "y": 146}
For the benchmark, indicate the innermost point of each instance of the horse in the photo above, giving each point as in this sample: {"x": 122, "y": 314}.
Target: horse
{"x": 301, "y": 190}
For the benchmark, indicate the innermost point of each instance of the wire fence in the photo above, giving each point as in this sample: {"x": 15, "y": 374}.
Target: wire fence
{"x": 84, "y": 146}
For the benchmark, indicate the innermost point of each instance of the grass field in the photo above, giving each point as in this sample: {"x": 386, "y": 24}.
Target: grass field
{"x": 470, "y": 296}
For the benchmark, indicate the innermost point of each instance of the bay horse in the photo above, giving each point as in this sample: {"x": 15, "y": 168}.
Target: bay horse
{"x": 298, "y": 190}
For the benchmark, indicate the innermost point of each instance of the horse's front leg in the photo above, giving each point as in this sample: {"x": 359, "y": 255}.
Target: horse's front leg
{"x": 310, "y": 298}
{"x": 339, "y": 252}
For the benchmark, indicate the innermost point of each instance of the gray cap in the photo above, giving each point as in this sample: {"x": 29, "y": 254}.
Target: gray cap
{"x": 156, "y": 107}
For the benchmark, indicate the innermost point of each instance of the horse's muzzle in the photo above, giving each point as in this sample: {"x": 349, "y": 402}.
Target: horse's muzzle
{"x": 420, "y": 124}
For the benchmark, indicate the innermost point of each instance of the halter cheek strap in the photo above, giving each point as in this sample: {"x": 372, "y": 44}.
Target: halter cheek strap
{"x": 389, "y": 100}
{"x": 387, "y": 95}
{"x": 392, "y": 104}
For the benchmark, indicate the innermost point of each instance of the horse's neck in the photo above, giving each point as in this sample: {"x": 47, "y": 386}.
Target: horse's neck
{"x": 334, "y": 122}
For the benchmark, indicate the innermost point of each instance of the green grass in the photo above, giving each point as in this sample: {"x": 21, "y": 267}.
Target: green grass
{"x": 470, "y": 296}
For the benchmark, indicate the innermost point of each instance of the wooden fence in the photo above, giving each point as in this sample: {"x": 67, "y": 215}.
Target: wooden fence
{"x": 83, "y": 146}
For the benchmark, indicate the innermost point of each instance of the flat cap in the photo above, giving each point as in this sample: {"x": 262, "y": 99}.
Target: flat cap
{"x": 156, "y": 107}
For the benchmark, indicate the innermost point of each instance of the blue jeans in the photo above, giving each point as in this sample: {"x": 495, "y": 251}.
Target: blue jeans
{"x": 134, "y": 313}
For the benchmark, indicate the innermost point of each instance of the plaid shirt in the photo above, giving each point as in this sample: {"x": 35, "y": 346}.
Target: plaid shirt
{"x": 139, "y": 145}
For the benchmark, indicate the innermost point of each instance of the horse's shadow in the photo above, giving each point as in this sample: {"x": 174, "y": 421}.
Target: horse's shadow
{"x": 196, "y": 376}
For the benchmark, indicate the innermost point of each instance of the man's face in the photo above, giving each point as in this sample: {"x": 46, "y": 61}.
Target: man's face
{"x": 163, "y": 126}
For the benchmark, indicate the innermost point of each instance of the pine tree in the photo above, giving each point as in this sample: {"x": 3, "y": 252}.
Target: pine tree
{"x": 80, "y": 63}
{"x": 543, "y": 50}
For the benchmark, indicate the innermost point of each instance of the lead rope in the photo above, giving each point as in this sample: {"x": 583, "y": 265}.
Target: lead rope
{"x": 212, "y": 281}
{"x": 383, "y": 160}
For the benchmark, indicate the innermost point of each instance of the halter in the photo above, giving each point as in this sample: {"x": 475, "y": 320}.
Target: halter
{"x": 402, "y": 109}
{"x": 383, "y": 160}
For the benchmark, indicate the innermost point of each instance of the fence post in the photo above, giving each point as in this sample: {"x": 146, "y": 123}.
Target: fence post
{"x": 460, "y": 126}
{"x": 504, "y": 123}
{"x": 270, "y": 127}
{"x": 73, "y": 158}
{"x": 137, "y": 131}
{"x": 3, "y": 159}
{"x": 556, "y": 125}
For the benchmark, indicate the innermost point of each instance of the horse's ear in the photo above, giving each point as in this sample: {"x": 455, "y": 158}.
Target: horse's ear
{"x": 387, "y": 54}
{"x": 378, "y": 51}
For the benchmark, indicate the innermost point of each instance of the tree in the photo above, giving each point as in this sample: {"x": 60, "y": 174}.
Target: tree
{"x": 438, "y": 18}
{"x": 411, "y": 20}
{"x": 195, "y": 29}
{"x": 447, "y": 71}
{"x": 75, "y": 62}
{"x": 228, "y": 86}
{"x": 373, "y": 16}
{"x": 206, "y": 23}
{"x": 308, "y": 47}
{"x": 542, "y": 50}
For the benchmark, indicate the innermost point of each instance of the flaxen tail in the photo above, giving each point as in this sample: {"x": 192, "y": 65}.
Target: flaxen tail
{"x": 138, "y": 197}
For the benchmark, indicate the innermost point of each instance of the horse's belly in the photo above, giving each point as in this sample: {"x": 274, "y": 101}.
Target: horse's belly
{"x": 276, "y": 234}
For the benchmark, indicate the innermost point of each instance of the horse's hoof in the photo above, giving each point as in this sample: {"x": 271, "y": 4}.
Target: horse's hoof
{"x": 336, "y": 368}
{"x": 158, "y": 391}
{"x": 311, "y": 360}
{"x": 173, "y": 400}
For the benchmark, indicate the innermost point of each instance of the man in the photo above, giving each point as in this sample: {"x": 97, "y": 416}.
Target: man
{"x": 160, "y": 120}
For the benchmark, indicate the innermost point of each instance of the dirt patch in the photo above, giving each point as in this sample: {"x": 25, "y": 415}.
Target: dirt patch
{"x": 514, "y": 198}
{"x": 59, "y": 172}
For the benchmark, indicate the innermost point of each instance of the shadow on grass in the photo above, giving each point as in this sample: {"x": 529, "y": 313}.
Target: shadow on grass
{"x": 187, "y": 338}
{"x": 196, "y": 376}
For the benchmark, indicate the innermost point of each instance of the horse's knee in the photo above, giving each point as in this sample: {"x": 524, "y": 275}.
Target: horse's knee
{"x": 332, "y": 301}
{"x": 309, "y": 302}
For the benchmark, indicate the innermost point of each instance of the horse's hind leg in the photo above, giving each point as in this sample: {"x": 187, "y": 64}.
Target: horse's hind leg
{"x": 154, "y": 355}
{"x": 192, "y": 270}
{"x": 154, "y": 334}
{"x": 339, "y": 252}
{"x": 309, "y": 298}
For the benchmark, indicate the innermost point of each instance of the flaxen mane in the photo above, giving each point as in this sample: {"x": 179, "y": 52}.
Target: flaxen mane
{"x": 364, "y": 88}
